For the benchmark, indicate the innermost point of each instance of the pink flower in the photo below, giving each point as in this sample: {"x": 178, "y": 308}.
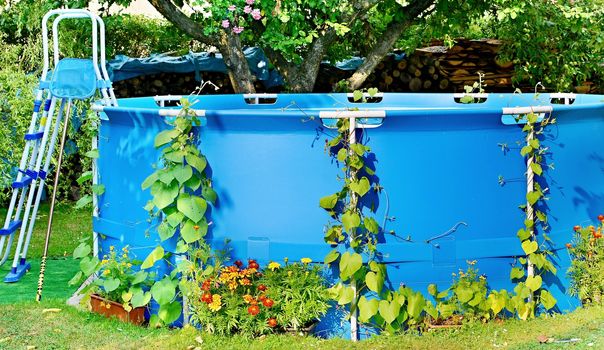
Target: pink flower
{"x": 256, "y": 14}
{"x": 232, "y": 8}
{"x": 247, "y": 9}
{"x": 237, "y": 30}
{"x": 250, "y": 2}
{"x": 226, "y": 23}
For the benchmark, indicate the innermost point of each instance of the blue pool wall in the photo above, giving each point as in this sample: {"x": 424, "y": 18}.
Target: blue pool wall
{"x": 439, "y": 162}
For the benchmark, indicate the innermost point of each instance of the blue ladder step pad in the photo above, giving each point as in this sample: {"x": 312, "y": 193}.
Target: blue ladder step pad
{"x": 26, "y": 180}
{"x": 12, "y": 227}
{"x": 34, "y": 136}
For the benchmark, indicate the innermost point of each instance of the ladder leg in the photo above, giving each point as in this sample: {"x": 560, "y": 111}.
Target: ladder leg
{"x": 40, "y": 190}
{"x": 52, "y": 207}
{"x": 18, "y": 270}
{"x": 24, "y": 165}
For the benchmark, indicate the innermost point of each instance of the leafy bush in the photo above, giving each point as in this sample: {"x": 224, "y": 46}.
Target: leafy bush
{"x": 587, "y": 266}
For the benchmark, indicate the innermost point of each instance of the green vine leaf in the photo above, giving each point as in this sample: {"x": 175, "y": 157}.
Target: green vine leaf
{"x": 150, "y": 180}
{"x": 82, "y": 250}
{"x": 533, "y": 196}
{"x": 526, "y": 150}
{"x": 192, "y": 207}
{"x": 192, "y": 232}
{"x": 328, "y": 202}
{"x": 416, "y": 303}
{"x": 361, "y": 187}
{"x": 153, "y": 257}
{"x": 342, "y": 155}
{"x": 140, "y": 298}
{"x": 331, "y": 256}
{"x": 111, "y": 284}
{"x": 367, "y": 308}
{"x": 374, "y": 281}
{"x": 197, "y": 162}
{"x": 165, "y": 137}
{"x": 529, "y": 247}
{"x": 165, "y": 231}
{"x": 537, "y": 259}
{"x": 389, "y": 310}
{"x": 523, "y": 234}
{"x": 89, "y": 265}
{"x": 169, "y": 313}
{"x": 182, "y": 173}
{"x": 163, "y": 291}
{"x": 516, "y": 273}
{"x": 547, "y": 300}
{"x": 350, "y": 220}
{"x": 537, "y": 168}
{"x": 350, "y": 264}
{"x": 209, "y": 194}
{"x": 534, "y": 282}
{"x": 346, "y": 296}
{"x": 163, "y": 195}
{"x": 371, "y": 225}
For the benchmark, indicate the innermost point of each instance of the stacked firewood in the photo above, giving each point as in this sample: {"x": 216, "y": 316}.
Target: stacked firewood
{"x": 462, "y": 63}
{"x": 436, "y": 68}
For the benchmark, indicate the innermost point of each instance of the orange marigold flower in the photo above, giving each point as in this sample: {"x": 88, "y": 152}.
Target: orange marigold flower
{"x": 216, "y": 303}
{"x": 249, "y": 299}
{"x": 569, "y": 246}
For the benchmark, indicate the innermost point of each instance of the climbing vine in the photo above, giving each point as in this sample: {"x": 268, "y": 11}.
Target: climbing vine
{"x": 530, "y": 291}
{"x": 180, "y": 191}
{"x": 354, "y": 235}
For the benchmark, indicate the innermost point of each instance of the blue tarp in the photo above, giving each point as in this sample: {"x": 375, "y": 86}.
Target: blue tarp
{"x": 124, "y": 67}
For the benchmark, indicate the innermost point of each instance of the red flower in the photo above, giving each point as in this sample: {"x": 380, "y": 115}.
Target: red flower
{"x": 568, "y": 245}
{"x": 601, "y": 217}
{"x": 252, "y": 264}
{"x": 262, "y": 297}
{"x": 206, "y": 285}
{"x": 206, "y": 298}
{"x": 238, "y": 263}
{"x": 253, "y": 310}
{"x": 272, "y": 322}
{"x": 577, "y": 228}
{"x": 262, "y": 287}
{"x": 268, "y": 302}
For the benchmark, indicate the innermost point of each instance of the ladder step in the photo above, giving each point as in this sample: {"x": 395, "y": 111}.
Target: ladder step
{"x": 34, "y": 136}
{"x": 26, "y": 180}
{"x": 12, "y": 227}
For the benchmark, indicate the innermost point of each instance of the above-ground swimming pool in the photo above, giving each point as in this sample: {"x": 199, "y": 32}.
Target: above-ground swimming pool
{"x": 443, "y": 165}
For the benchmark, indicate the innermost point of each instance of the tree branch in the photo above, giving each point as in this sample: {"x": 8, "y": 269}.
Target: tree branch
{"x": 386, "y": 42}
{"x": 173, "y": 14}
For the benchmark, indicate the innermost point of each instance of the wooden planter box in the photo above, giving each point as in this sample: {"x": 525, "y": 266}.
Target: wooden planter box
{"x": 110, "y": 309}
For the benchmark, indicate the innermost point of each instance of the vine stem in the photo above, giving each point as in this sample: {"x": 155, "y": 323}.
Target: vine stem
{"x": 354, "y": 325}
{"x": 530, "y": 212}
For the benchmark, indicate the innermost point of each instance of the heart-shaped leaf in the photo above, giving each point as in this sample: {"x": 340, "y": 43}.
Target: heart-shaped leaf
{"x": 349, "y": 264}
{"x": 163, "y": 195}
{"x": 416, "y": 303}
{"x": 192, "y": 232}
{"x": 536, "y": 167}
{"x": 523, "y": 234}
{"x": 163, "y": 291}
{"x": 371, "y": 225}
{"x": 209, "y": 194}
{"x": 140, "y": 298}
{"x": 165, "y": 231}
{"x": 534, "y": 282}
{"x": 389, "y": 310}
{"x": 361, "y": 187}
{"x": 346, "y": 296}
{"x": 464, "y": 294}
{"x": 169, "y": 313}
{"x": 182, "y": 173}
{"x": 192, "y": 206}
{"x": 331, "y": 256}
{"x": 139, "y": 277}
{"x": 197, "y": 162}
{"x": 165, "y": 136}
{"x": 367, "y": 308}
{"x": 532, "y": 197}
{"x": 126, "y": 296}
{"x": 529, "y": 247}
{"x": 374, "y": 281}
{"x": 328, "y": 202}
{"x": 153, "y": 257}
{"x": 547, "y": 300}
{"x": 82, "y": 250}
{"x": 516, "y": 273}
{"x": 350, "y": 220}
{"x": 89, "y": 265}
{"x": 111, "y": 284}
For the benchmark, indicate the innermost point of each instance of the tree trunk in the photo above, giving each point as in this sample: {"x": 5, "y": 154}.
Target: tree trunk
{"x": 228, "y": 44}
{"x": 238, "y": 69}
{"x": 386, "y": 42}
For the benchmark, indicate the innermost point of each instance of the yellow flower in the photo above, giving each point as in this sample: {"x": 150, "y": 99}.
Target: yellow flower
{"x": 106, "y": 272}
{"x": 216, "y": 303}
{"x": 111, "y": 248}
{"x": 274, "y": 265}
{"x": 125, "y": 256}
{"x": 306, "y": 260}
{"x": 104, "y": 261}
{"x": 129, "y": 265}
{"x": 125, "y": 249}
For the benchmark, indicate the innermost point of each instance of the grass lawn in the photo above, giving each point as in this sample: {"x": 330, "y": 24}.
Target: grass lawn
{"x": 69, "y": 226}
{"x": 24, "y": 322}
{"x": 27, "y": 324}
